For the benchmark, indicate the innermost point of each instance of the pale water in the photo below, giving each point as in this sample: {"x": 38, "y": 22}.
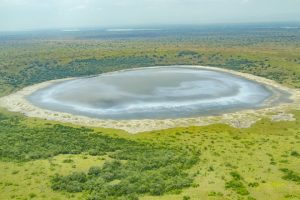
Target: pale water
{"x": 153, "y": 93}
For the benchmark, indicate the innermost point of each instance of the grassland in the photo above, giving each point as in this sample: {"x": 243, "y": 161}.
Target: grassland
{"x": 41, "y": 159}
{"x": 229, "y": 164}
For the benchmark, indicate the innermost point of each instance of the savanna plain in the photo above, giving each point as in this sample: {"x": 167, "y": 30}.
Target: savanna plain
{"x": 43, "y": 159}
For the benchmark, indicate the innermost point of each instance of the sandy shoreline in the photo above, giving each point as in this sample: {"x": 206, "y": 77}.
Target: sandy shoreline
{"x": 17, "y": 102}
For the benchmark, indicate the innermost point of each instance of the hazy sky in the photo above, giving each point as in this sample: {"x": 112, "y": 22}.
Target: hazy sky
{"x": 41, "y": 14}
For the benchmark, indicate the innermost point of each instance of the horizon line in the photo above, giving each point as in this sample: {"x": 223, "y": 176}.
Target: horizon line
{"x": 152, "y": 27}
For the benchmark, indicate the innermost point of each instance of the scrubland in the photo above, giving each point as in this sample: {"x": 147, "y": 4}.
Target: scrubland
{"x": 41, "y": 159}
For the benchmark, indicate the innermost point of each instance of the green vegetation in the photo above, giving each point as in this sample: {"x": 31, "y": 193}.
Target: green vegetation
{"x": 237, "y": 184}
{"x": 295, "y": 153}
{"x": 136, "y": 167}
{"x": 71, "y": 162}
{"x": 290, "y": 175}
{"x": 49, "y": 160}
{"x": 269, "y": 53}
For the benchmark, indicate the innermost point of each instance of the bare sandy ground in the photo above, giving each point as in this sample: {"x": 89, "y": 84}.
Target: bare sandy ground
{"x": 17, "y": 102}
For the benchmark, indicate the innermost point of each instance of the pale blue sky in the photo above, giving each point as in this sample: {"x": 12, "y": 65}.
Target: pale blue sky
{"x": 42, "y": 14}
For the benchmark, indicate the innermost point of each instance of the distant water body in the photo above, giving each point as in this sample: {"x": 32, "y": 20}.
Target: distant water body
{"x": 153, "y": 93}
{"x": 131, "y": 29}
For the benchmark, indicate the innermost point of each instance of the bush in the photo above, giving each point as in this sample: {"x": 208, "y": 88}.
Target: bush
{"x": 68, "y": 161}
{"x": 94, "y": 171}
{"x": 290, "y": 175}
{"x": 235, "y": 175}
{"x": 186, "y": 198}
{"x": 236, "y": 184}
{"x": 254, "y": 184}
{"x": 295, "y": 154}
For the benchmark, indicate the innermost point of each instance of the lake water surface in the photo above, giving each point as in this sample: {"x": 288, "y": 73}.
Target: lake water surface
{"x": 153, "y": 93}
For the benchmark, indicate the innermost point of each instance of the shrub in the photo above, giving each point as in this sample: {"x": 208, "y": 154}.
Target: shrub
{"x": 68, "y": 161}
{"x": 254, "y": 184}
{"x": 235, "y": 175}
{"x": 290, "y": 175}
{"x": 32, "y": 195}
{"x": 95, "y": 171}
{"x": 295, "y": 154}
{"x": 238, "y": 186}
